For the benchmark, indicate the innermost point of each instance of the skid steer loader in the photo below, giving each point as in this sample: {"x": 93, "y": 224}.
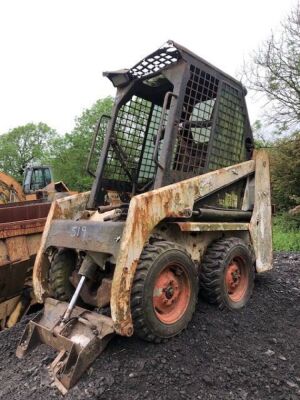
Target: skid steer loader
{"x": 179, "y": 201}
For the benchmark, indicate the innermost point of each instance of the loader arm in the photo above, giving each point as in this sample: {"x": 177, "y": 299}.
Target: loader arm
{"x": 64, "y": 208}
{"x": 177, "y": 200}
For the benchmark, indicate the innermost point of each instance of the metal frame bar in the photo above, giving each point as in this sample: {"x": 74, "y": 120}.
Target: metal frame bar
{"x": 96, "y": 133}
{"x": 168, "y": 95}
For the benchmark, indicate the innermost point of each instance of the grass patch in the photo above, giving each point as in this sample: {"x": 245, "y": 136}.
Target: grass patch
{"x": 286, "y": 232}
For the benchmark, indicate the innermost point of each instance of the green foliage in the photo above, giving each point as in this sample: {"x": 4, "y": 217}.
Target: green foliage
{"x": 286, "y": 232}
{"x": 285, "y": 166}
{"x": 21, "y": 145}
{"x": 71, "y": 151}
{"x": 274, "y": 71}
{"x": 285, "y": 172}
{"x": 260, "y": 139}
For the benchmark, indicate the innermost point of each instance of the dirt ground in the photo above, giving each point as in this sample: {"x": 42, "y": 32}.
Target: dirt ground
{"x": 253, "y": 354}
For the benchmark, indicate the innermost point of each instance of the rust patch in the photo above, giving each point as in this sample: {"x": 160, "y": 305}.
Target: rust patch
{"x": 261, "y": 221}
{"x": 212, "y": 226}
{"x": 64, "y": 208}
{"x": 100, "y": 298}
{"x": 145, "y": 212}
{"x": 17, "y": 248}
{"x": 9, "y": 184}
{"x": 17, "y": 212}
{"x": 22, "y": 228}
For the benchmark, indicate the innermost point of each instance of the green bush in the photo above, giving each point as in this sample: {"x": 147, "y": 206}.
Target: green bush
{"x": 285, "y": 172}
{"x": 286, "y": 232}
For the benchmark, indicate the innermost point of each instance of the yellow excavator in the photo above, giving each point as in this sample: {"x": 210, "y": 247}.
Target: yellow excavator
{"x": 38, "y": 183}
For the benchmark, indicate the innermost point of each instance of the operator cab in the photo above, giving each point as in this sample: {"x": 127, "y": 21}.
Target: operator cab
{"x": 175, "y": 117}
{"x": 36, "y": 178}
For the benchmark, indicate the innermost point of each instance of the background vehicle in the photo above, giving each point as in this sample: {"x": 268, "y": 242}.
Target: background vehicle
{"x": 23, "y": 212}
{"x": 38, "y": 183}
{"x": 177, "y": 202}
{"x": 21, "y": 227}
{"x": 36, "y": 178}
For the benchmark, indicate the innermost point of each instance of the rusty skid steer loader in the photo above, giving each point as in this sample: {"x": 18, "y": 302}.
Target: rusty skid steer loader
{"x": 178, "y": 201}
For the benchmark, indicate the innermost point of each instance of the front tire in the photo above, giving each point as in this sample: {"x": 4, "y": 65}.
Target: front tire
{"x": 62, "y": 266}
{"x": 227, "y": 274}
{"x": 164, "y": 291}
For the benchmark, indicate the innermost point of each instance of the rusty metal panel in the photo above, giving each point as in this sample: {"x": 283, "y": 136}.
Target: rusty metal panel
{"x": 65, "y": 208}
{"x": 17, "y": 248}
{"x": 24, "y": 211}
{"x": 79, "y": 342}
{"x": 12, "y": 278}
{"x": 3, "y": 253}
{"x": 33, "y": 243}
{"x": 86, "y": 235}
{"x": 10, "y": 189}
{"x": 11, "y": 229}
{"x": 145, "y": 212}
{"x": 212, "y": 226}
{"x": 100, "y": 298}
{"x": 68, "y": 207}
{"x": 261, "y": 221}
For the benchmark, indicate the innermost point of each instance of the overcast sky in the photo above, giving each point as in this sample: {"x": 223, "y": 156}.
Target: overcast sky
{"x": 53, "y": 52}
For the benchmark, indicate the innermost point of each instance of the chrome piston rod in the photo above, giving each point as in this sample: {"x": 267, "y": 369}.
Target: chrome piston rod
{"x": 74, "y": 299}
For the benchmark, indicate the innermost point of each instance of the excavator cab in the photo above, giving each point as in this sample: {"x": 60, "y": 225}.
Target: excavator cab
{"x": 36, "y": 178}
{"x": 178, "y": 200}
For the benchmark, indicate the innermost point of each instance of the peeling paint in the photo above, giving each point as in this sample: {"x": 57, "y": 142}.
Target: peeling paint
{"x": 145, "y": 212}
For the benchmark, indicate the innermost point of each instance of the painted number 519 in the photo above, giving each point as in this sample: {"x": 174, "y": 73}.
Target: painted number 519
{"x": 77, "y": 231}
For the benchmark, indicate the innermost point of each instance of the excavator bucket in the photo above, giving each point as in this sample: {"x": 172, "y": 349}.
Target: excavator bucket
{"x": 79, "y": 341}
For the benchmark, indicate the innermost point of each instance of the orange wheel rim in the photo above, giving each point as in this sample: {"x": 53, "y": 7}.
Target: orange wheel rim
{"x": 171, "y": 294}
{"x": 236, "y": 279}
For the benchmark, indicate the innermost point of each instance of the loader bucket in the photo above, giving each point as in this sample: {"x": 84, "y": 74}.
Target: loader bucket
{"x": 79, "y": 341}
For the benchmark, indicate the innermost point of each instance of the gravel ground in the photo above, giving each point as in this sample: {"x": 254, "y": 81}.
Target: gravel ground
{"x": 252, "y": 354}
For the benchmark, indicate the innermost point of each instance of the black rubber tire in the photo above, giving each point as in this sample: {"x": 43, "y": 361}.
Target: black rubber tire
{"x": 153, "y": 260}
{"x": 212, "y": 272}
{"x": 62, "y": 266}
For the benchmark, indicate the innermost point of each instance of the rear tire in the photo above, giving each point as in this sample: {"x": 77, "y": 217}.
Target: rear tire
{"x": 227, "y": 274}
{"x": 62, "y": 266}
{"x": 164, "y": 291}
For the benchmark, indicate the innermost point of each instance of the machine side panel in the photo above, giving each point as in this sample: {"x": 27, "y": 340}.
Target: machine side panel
{"x": 261, "y": 221}
{"x": 145, "y": 212}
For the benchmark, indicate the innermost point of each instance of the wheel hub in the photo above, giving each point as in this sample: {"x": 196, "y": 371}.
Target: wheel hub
{"x": 236, "y": 280}
{"x": 171, "y": 294}
{"x": 233, "y": 276}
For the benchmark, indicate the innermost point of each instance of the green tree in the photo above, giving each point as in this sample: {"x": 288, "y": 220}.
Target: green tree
{"x": 284, "y": 165}
{"x": 274, "y": 70}
{"x": 285, "y": 172}
{"x": 260, "y": 138}
{"x": 21, "y": 145}
{"x": 71, "y": 151}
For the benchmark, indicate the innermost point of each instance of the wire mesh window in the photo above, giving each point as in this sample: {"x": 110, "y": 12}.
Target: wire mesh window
{"x": 228, "y": 146}
{"x": 130, "y": 155}
{"x": 160, "y": 59}
{"x": 191, "y": 149}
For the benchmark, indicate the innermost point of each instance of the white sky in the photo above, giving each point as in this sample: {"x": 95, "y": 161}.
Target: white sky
{"x": 53, "y": 52}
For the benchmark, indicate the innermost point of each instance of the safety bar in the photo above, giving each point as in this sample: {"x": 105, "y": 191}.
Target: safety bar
{"x": 156, "y": 148}
{"x": 94, "y": 143}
